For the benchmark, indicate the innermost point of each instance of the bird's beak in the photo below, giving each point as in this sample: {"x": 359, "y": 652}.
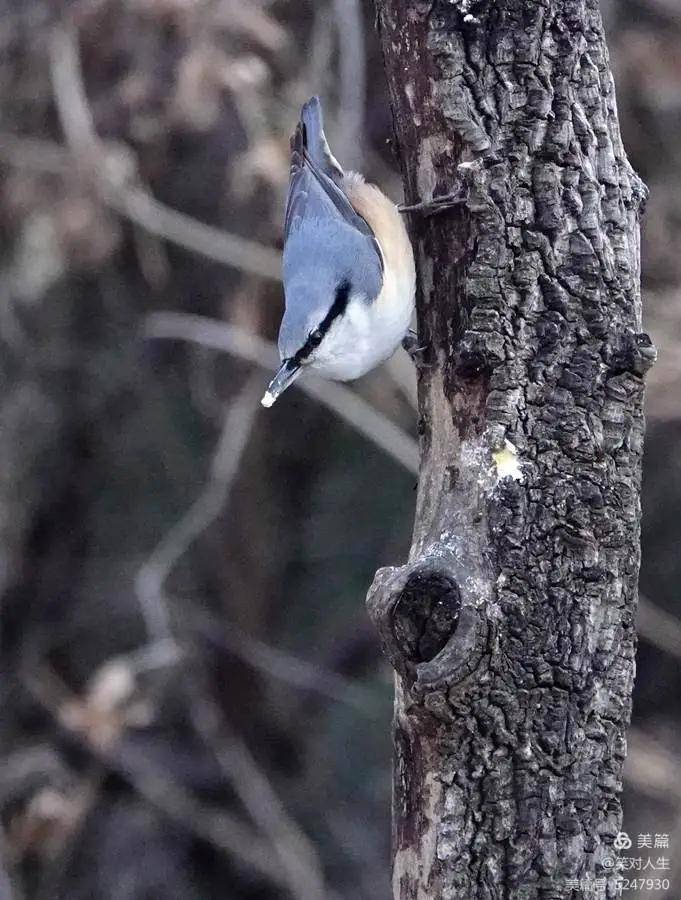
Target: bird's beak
{"x": 286, "y": 375}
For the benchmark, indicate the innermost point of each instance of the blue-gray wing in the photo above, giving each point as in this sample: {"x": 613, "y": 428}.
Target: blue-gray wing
{"x": 315, "y": 193}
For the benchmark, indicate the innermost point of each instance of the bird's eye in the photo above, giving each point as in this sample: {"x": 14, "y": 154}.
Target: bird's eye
{"x": 316, "y": 337}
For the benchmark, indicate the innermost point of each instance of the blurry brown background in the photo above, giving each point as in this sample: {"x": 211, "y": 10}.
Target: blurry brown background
{"x": 193, "y": 704}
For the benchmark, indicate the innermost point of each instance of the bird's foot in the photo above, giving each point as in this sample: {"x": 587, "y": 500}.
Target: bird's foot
{"x": 436, "y": 205}
{"x": 415, "y": 349}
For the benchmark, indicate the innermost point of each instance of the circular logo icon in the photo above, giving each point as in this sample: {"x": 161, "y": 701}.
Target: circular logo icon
{"x": 622, "y": 841}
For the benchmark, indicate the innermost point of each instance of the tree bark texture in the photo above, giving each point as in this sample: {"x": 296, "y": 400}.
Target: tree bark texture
{"x": 511, "y": 627}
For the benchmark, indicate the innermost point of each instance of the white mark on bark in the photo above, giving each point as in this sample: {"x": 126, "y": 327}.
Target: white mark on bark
{"x": 410, "y": 92}
{"x": 465, "y": 7}
{"x": 507, "y": 462}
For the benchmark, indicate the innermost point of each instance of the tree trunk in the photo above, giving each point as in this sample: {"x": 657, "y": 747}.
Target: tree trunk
{"x": 511, "y": 627}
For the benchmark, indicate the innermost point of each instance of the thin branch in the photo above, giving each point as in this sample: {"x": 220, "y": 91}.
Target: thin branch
{"x": 296, "y": 852}
{"x": 347, "y": 405}
{"x": 111, "y": 173}
{"x": 229, "y": 249}
{"x": 158, "y": 655}
{"x": 283, "y": 666}
{"x": 153, "y": 574}
{"x": 74, "y": 112}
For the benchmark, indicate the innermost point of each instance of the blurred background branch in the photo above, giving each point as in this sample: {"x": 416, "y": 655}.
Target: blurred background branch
{"x": 113, "y": 169}
{"x": 221, "y": 830}
{"x": 152, "y": 575}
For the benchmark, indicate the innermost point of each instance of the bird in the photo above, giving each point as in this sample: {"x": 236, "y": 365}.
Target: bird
{"x": 348, "y": 267}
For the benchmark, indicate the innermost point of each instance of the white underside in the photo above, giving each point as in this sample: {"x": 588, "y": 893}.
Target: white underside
{"x": 367, "y": 334}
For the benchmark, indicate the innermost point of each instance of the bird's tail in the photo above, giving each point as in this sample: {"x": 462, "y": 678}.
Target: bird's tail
{"x": 312, "y": 127}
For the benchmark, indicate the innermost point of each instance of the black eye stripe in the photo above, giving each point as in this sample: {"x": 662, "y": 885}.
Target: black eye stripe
{"x": 315, "y": 337}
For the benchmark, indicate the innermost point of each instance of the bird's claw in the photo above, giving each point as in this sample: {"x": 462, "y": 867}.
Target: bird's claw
{"x": 415, "y": 349}
{"x": 436, "y": 205}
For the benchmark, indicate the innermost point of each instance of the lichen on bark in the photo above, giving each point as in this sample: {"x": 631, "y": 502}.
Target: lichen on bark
{"x": 511, "y": 626}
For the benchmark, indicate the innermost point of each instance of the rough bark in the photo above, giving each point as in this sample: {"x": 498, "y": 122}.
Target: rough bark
{"x": 511, "y": 627}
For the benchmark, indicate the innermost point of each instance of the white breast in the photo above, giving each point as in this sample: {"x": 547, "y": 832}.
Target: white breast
{"x": 369, "y": 333}
{"x": 366, "y": 335}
